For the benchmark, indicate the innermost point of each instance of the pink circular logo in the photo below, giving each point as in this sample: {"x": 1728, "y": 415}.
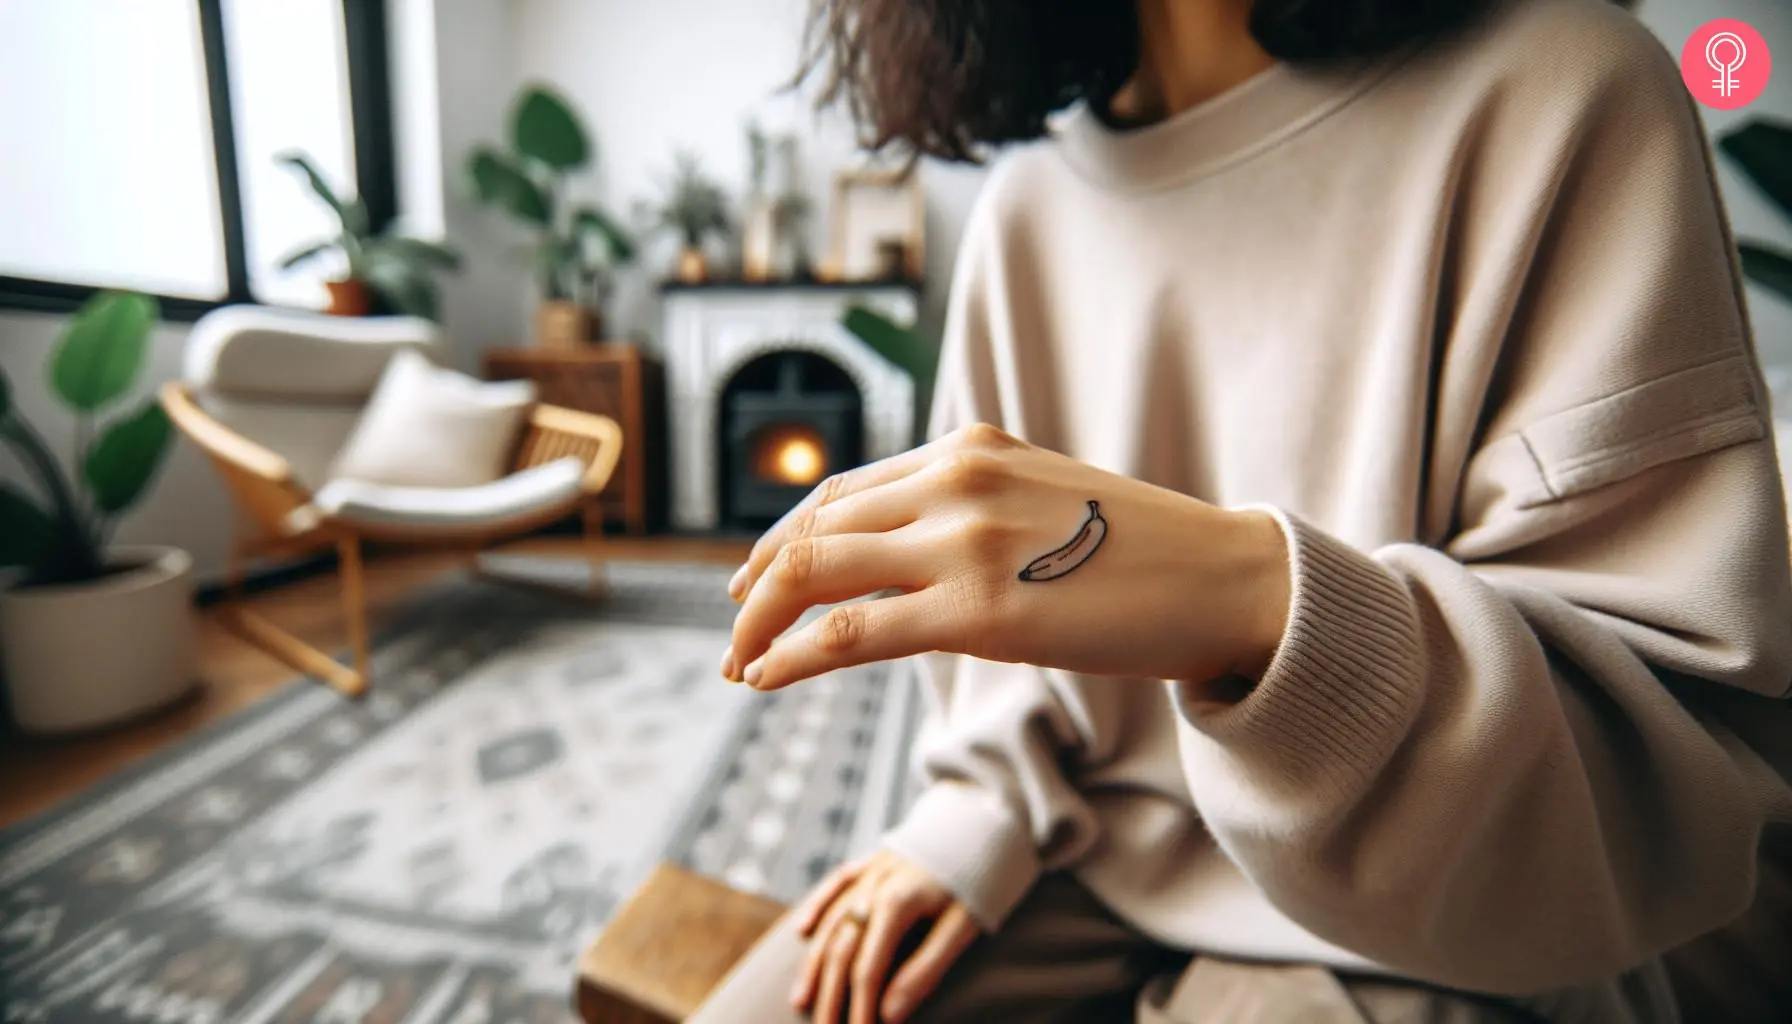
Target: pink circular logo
{"x": 1726, "y": 64}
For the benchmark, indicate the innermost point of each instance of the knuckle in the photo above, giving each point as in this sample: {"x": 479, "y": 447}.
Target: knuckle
{"x": 830, "y": 490}
{"x": 971, "y": 471}
{"x": 795, "y": 564}
{"x": 984, "y": 535}
{"x": 802, "y": 525}
{"x": 986, "y": 435}
{"x": 842, "y": 629}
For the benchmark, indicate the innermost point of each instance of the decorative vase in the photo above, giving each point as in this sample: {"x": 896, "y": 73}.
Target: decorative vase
{"x": 759, "y": 241}
{"x": 561, "y": 324}
{"x": 349, "y": 298}
{"x": 693, "y": 265}
{"x": 80, "y": 656}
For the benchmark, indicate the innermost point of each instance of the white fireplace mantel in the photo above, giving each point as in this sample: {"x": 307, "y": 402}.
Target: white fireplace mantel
{"x": 711, "y": 332}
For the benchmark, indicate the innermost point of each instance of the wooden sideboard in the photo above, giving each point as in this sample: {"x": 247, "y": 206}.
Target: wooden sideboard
{"x": 620, "y": 382}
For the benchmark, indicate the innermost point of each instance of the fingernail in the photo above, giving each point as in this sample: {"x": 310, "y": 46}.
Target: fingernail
{"x": 754, "y": 671}
{"x": 737, "y": 583}
{"x": 895, "y": 1008}
{"x": 728, "y": 665}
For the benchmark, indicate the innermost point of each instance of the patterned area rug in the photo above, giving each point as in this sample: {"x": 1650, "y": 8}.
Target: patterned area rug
{"x": 441, "y": 851}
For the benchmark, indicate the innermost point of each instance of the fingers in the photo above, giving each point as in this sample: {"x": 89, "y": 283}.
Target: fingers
{"x": 895, "y": 912}
{"x": 824, "y": 570}
{"x": 864, "y": 500}
{"x": 821, "y": 935}
{"x": 951, "y": 935}
{"x": 836, "y": 969}
{"x": 856, "y": 634}
{"x": 808, "y": 915}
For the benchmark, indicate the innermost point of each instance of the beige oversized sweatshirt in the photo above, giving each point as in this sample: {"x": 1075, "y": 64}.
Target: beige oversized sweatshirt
{"x": 1469, "y": 322}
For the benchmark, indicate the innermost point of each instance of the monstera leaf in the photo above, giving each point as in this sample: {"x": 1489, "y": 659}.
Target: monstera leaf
{"x": 498, "y": 182}
{"x": 102, "y": 350}
{"x": 122, "y": 462}
{"x": 544, "y": 128}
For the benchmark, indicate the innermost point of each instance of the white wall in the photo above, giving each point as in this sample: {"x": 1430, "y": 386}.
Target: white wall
{"x": 653, "y": 78}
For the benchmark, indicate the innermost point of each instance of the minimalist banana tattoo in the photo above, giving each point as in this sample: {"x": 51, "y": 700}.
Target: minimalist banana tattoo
{"x": 1064, "y": 560}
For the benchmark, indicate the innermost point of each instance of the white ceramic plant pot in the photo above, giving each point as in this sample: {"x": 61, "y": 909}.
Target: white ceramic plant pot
{"x": 80, "y": 656}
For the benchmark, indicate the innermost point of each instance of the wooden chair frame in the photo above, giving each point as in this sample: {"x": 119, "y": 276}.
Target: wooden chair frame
{"x": 275, "y": 517}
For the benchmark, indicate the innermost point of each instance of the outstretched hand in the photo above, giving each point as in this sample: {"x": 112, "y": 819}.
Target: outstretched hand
{"x": 988, "y": 546}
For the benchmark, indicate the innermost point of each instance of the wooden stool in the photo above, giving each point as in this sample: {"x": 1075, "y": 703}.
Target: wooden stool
{"x": 667, "y": 948}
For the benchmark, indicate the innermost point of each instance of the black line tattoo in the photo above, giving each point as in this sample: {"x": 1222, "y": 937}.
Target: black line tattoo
{"x": 1065, "y": 560}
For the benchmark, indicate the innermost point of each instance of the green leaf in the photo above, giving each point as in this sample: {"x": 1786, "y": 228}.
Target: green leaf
{"x": 418, "y": 252}
{"x": 1770, "y": 269}
{"x": 308, "y": 252}
{"x": 126, "y": 456}
{"x": 27, "y": 533}
{"x": 1763, "y": 149}
{"x": 405, "y": 287}
{"x": 355, "y": 218}
{"x": 499, "y": 182}
{"x": 902, "y": 346}
{"x": 545, "y": 128}
{"x": 302, "y": 163}
{"x": 594, "y": 227}
{"x": 102, "y": 350}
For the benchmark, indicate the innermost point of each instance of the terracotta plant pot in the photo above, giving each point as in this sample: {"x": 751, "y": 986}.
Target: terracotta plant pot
{"x": 561, "y": 324}
{"x": 349, "y": 298}
{"x": 693, "y": 266}
{"x": 81, "y": 656}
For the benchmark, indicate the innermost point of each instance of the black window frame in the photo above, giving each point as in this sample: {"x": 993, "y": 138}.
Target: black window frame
{"x": 376, "y": 179}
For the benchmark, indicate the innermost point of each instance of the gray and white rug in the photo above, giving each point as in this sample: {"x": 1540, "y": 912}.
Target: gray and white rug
{"x": 440, "y": 852}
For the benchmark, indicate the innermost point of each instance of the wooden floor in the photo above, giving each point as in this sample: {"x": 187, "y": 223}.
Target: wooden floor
{"x": 36, "y": 773}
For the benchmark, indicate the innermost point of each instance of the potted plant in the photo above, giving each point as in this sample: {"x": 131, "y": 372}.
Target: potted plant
{"x": 385, "y": 270}
{"x": 578, "y": 247}
{"x": 695, "y": 208}
{"x": 1763, "y": 150}
{"x": 93, "y": 633}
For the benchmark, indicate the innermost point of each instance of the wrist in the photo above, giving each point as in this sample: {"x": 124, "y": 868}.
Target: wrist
{"x": 1264, "y": 592}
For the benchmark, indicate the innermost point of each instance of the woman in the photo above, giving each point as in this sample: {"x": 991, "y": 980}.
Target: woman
{"x": 1352, "y": 541}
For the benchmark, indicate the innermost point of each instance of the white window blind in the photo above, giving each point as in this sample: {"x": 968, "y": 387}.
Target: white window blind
{"x": 108, "y": 176}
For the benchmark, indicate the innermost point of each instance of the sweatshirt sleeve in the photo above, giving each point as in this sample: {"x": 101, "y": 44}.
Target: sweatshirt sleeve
{"x": 998, "y": 741}
{"x": 1491, "y": 760}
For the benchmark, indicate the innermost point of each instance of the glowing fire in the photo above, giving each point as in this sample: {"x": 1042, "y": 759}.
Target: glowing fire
{"x": 790, "y": 455}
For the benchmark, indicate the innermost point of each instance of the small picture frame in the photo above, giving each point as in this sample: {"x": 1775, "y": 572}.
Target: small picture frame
{"x": 877, "y": 229}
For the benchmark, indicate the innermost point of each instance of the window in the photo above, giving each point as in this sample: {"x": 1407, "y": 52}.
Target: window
{"x": 140, "y": 141}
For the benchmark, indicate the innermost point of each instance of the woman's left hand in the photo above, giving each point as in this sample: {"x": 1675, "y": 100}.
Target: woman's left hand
{"x": 995, "y": 548}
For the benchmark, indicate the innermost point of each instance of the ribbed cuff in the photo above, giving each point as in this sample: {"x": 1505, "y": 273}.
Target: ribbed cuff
{"x": 964, "y": 837}
{"x": 1345, "y": 683}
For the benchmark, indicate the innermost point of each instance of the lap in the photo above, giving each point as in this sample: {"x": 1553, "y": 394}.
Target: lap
{"x": 1063, "y": 956}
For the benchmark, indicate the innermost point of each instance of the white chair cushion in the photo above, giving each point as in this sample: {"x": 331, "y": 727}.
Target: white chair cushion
{"x": 517, "y": 497}
{"x": 298, "y": 356}
{"x": 426, "y": 426}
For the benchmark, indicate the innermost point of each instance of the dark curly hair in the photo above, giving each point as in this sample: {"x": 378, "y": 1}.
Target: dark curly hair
{"x": 946, "y": 77}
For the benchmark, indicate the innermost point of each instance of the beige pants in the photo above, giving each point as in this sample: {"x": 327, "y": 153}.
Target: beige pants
{"x": 1062, "y": 956}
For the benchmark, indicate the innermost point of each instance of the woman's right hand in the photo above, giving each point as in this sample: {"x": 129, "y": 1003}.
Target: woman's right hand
{"x": 856, "y": 921}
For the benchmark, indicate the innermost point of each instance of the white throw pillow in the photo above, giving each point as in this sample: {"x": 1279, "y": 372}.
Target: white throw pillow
{"x": 426, "y": 426}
